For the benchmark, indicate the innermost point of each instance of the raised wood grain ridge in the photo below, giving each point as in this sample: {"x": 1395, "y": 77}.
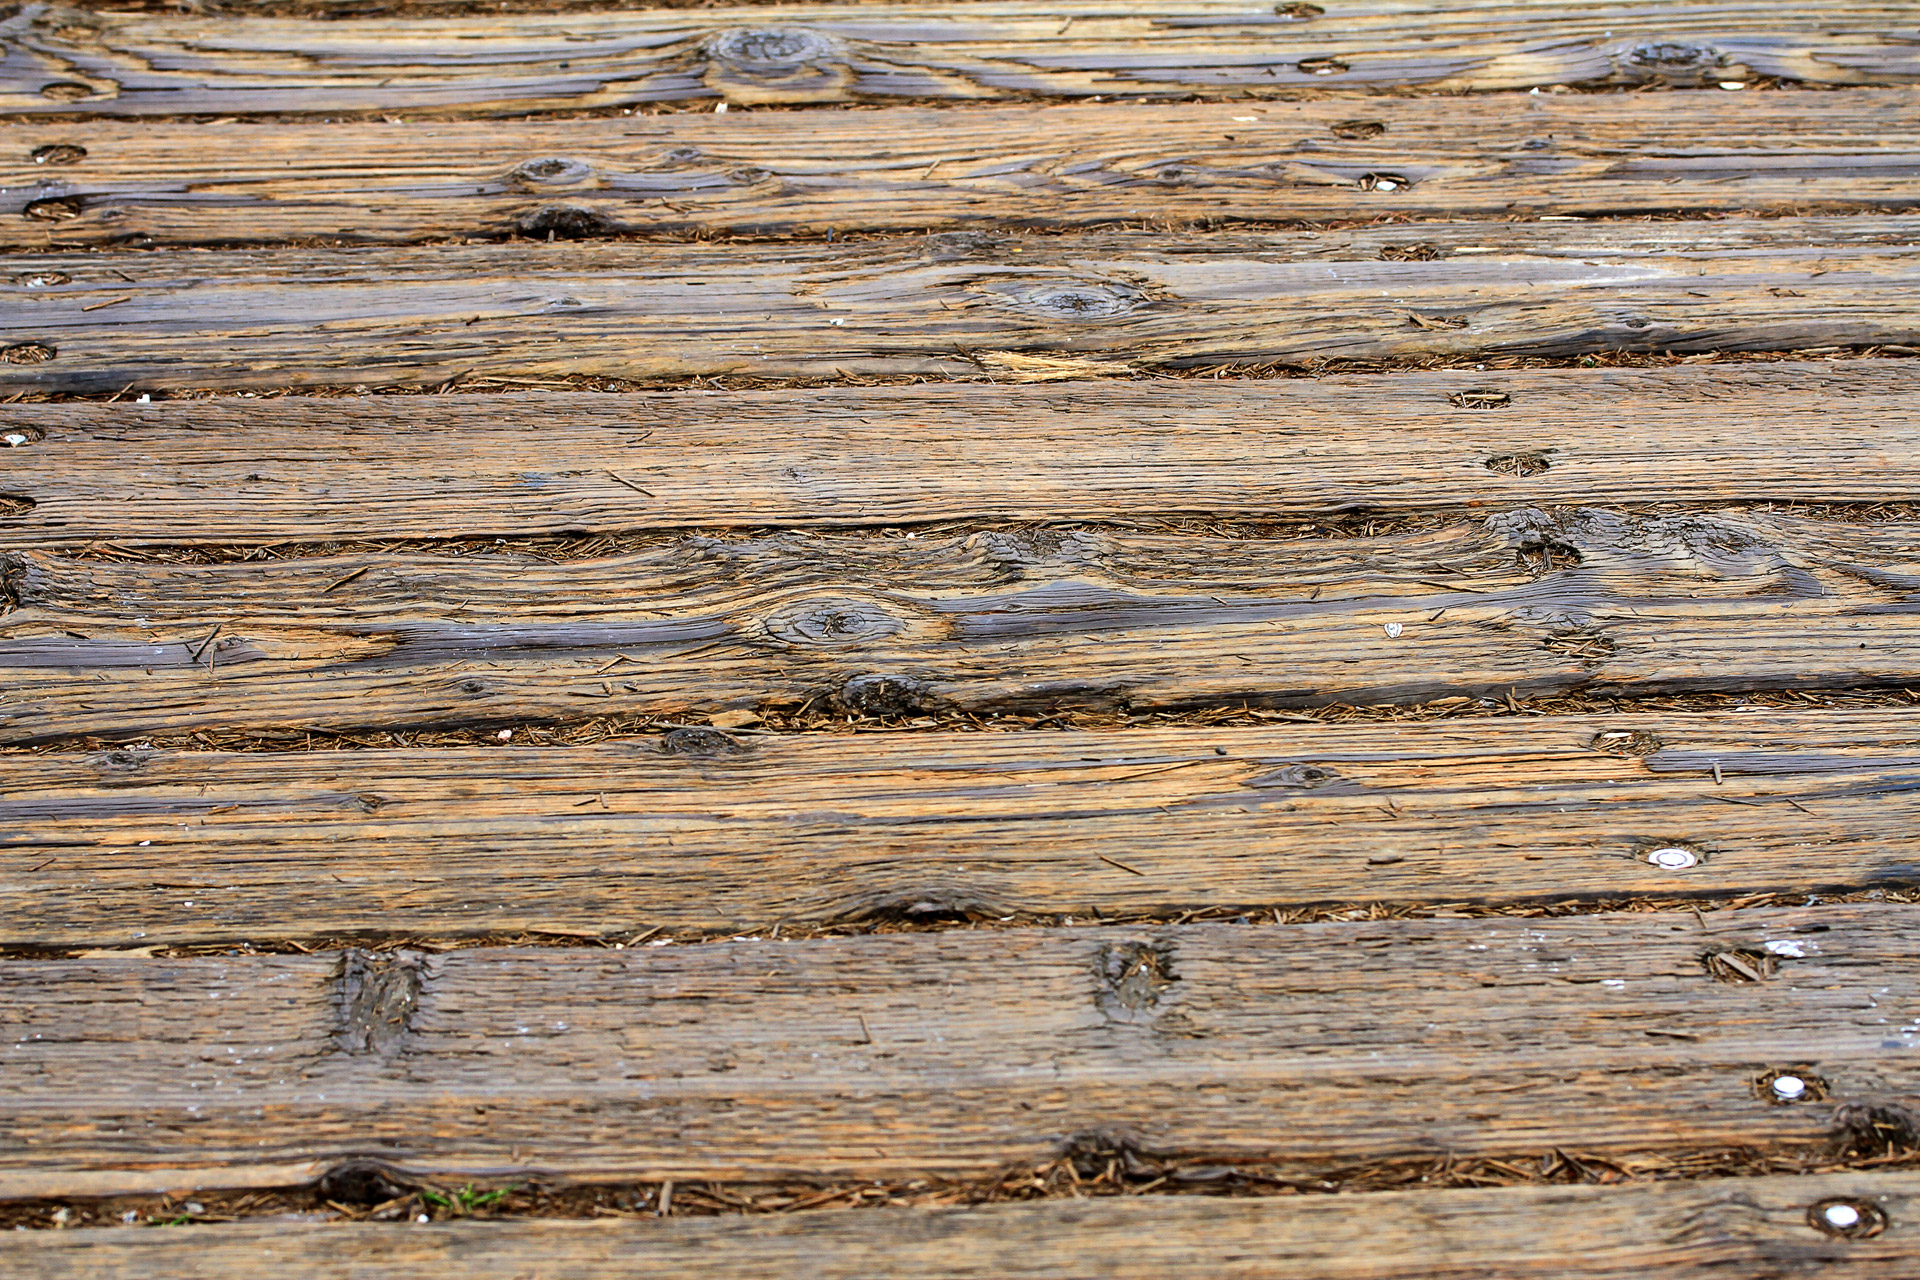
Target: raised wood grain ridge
{"x": 1524, "y": 599}
{"x": 105, "y": 182}
{"x": 61, "y": 59}
{"x": 715, "y": 833}
{"x": 1308, "y": 1046}
{"x": 1706, "y": 1230}
{"x": 942, "y": 304}
{"x": 226, "y": 471}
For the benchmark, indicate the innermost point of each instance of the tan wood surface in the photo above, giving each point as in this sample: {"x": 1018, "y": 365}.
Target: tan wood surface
{"x": 908, "y": 169}
{"x": 958, "y": 1052}
{"x": 980, "y": 623}
{"x": 230, "y": 470}
{"x": 67, "y": 60}
{"x": 1680, "y": 1231}
{"x": 944, "y": 304}
{"x": 726, "y": 833}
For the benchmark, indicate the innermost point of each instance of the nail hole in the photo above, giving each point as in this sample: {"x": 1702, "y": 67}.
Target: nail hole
{"x": 1479, "y": 398}
{"x": 54, "y": 209}
{"x": 1739, "y": 964}
{"x": 1300, "y": 12}
{"x": 59, "y": 153}
{"x": 1847, "y": 1219}
{"x": 27, "y": 353}
{"x": 697, "y": 741}
{"x": 1358, "y": 129}
{"x": 1385, "y": 182}
{"x": 1784, "y": 1088}
{"x": 1321, "y": 66}
{"x": 1519, "y": 464}
{"x": 66, "y": 91}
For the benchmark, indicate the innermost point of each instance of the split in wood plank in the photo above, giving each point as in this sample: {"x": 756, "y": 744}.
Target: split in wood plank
{"x": 703, "y": 832}
{"x": 945, "y": 304}
{"x": 105, "y": 182}
{"x": 237, "y": 471}
{"x": 1703, "y": 1230}
{"x": 1522, "y": 600}
{"x": 956, "y": 1054}
{"x": 59, "y": 59}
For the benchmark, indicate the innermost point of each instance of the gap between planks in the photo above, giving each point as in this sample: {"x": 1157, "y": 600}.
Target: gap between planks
{"x": 901, "y": 169}
{"x": 1691, "y": 1231}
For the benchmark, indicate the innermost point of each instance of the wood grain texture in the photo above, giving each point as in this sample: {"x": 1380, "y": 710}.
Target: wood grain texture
{"x": 1681, "y": 1231}
{"x": 66, "y": 60}
{"x": 749, "y": 1059}
{"x": 696, "y": 832}
{"x": 1017, "y": 621}
{"x": 229, "y": 470}
{"x": 905, "y": 169}
{"x": 931, "y": 305}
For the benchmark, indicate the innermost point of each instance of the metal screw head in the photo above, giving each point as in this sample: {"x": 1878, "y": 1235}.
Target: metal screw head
{"x": 1789, "y": 1088}
{"x": 1673, "y": 858}
{"x": 1841, "y": 1217}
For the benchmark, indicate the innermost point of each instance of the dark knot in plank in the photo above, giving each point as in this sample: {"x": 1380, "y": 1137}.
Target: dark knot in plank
{"x": 552, "y": 171}
{"x": 1132, "y": 976}
{"x": 379, "y": 992}
{"x": 834, "y": 622}
{"x": 1070, "y": 300}
{"x": 777, "y": 64}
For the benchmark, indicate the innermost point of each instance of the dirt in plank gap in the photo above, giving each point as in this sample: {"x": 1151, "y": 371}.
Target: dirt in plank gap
{"x": 950, "y": 922}
{"x": 1092, "y": 1165}
{"x": 1080, "y": 370}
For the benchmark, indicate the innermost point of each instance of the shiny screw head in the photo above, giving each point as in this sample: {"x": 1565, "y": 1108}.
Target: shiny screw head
{"x": 1788, "y": 1088}
{"x": 1841, "y": 1217}
{"x": 1673, "y": 858}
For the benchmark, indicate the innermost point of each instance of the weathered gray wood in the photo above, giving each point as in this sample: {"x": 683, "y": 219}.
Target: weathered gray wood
{"x": 1706, "y": 1230}
{"x": 1308, "y": 1047}
{"x": 944, "y": 304}
{"x": 228, "y": 470}
{"x": 705, "y": 833}
{"x": 905, "y": 169}
{"x": 1021, "y": 621}
{"x": 65, "y": 60}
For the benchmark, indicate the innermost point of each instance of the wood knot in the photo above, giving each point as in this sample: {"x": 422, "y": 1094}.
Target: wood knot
{"x": 1132, "y": 976}
{"x": 1354, "y": 130}
{"x": 777, "y": 65}
{"x": 379, "y": 992}
{"x": 1298, "y": 777}
{"x": 67, "y": 91}
{"x": 566, "y": 222}
{"x": 699, "y": 741}
{"x": 551, "y": 171}
{"x": 120, "y": 765}
{"x": 1667, "y": 62}
{"x": 884, "y": 695}
{"x": 1077, "y": 301}
{"x": 836, "y": 622}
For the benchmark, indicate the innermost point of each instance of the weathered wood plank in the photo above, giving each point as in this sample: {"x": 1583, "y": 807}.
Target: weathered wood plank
{"x": 1525, "y": 599}
{"x": 699, "y": 832}
{"x": 932, "y": 305}
{"x": 64, "y": 60}
{"x": 955, "y": 1053}
{"x": 907, "y": 169}
{"x": 226, "y": 471}
{"x": 1681, "y": 1231}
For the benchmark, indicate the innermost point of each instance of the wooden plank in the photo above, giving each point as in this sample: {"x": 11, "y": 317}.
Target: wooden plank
{"x": 1521, "y": 599}
{"x": 1682, "y": 1231}
{"x": 58, "y": 60}
{"x": 225, "y": 471}
{"x": 954, "y": 1054}
{"x": 936, "y": 305}
{"x": 905, "y": 169}
{"x": 702, "y": 833}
